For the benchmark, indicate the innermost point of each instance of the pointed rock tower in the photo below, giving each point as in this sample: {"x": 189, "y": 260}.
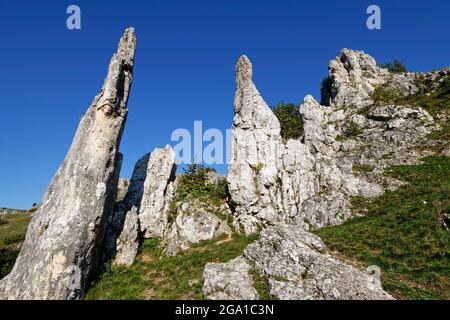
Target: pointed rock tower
{"x": 63, "y": 241}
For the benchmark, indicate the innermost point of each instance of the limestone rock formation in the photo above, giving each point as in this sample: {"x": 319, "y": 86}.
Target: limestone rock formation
{"x": 158, "y": 189}
{"x": 353, "y": 75}
{"x": 145, "y": 205}
{"x": 229, "y": 281}
{"x": 194, "y": 222}
{"x": 271, "y": 180}
{"x": 63, "y": 242}
{"x": 128, "y": 240}
{"x": 252, "y": 172}
{"x": 298, "y": 268}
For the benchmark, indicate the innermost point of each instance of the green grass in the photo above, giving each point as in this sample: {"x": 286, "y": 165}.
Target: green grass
{"x": 433, "y": 101}
{"x": 158, "y": 277}
{"x": 261, "y": 284}
{"x": 402, "y": 232}
{"x": 12, "y": 234}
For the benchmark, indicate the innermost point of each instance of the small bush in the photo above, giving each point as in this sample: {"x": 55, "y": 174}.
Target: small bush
{"x": 3, "y": 222}
{"x": 395, "y": 66}
{"x": 351, "y": 130}
{"x": 290, "y": 120}
{"x": 194, "y": 181}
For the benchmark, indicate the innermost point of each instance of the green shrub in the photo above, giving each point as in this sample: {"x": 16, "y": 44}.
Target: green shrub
{"x": 395, "y": 66}
{"x": 351, "y": 130}
{"x": 290, "y": 120}
{"x": 3, "y": 222}
{"x": 194, "y": 181}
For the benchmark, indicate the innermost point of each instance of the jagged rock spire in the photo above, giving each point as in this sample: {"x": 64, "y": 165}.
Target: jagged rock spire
{"x": 64, "y": 238}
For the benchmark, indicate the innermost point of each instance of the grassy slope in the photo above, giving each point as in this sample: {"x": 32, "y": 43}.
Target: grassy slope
{"x": 155, "y": 276}
{"x": 12, "y": 233}
{"x": 402, "y": 232}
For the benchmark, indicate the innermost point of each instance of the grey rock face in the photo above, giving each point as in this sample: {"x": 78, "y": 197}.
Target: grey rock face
{"x": 299, "y": 268}
{"x": 194, "y": 222}
{"x": 62, "y": 244}
{"x": 352, "y": 77}
{"x": 128, "y": 240}
{"x": 157, "y": 193}
{"x": 229, "y": 281}
{"x": 252, "y": 173}
{"x": 145, "y": 205}
{"x": 273, "y": 181}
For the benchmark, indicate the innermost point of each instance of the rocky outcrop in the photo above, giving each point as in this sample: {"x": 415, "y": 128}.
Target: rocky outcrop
{"x": 62, "y": 245}
{"x": 252, "y": 172}
{"x": 229, "y": 281}
{"x": 271, "y": 180}
{"x": 297, "y": 267}
{"x": 128, "y": 240}
{"x": 352, "y": 77}
{"x": 145, "y": 205}
{"x": 194, "y": 221}
{"x": 158, "y": 192}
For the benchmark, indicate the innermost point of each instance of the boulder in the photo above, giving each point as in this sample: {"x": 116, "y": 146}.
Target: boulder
{"x": 194, "y": 221}
{"x": 229, "y": 281}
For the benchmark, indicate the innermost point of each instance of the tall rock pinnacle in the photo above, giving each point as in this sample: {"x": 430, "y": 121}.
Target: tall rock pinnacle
{"x": 252, "y": 174}
{"x": 62, "y": 245}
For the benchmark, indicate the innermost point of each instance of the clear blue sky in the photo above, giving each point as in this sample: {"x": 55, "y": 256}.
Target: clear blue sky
{"x": 184, "y": 67}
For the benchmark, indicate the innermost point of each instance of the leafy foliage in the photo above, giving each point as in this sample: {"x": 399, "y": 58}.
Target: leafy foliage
{"x": 402, "y": 232}
{"x": 290, "y": 120}
{"x": 395, "y": 66}
{"x": 351, "y": 130}
{"x": 195, "y": 183}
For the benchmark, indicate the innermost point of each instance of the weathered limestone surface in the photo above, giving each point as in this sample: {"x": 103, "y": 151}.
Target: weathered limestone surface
{"x": 229, "y": 281}
{"x": 128, "y": 240}
{"x": 145, "y": 206}
{"x": 158, "y": 190}
{"x": 297, "y": 267}
{"x": 353, "y": 75}
{"x": 195, "y": 221}
{"x": 271, "y": 180}
{"x": 252, "y": 173}
{"x": 64, "y": 238}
